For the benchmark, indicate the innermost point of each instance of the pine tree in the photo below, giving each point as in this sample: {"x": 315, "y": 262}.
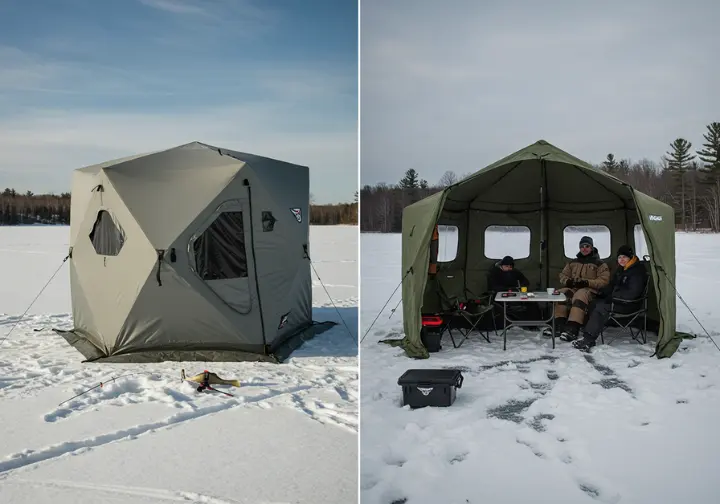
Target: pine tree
{"x": 410, "y": 180}
{"x": 710, "y": 154}
{"x": 678, "y": 161}
{"x": 710, "y": 157}
{"x": 610, "y": 164}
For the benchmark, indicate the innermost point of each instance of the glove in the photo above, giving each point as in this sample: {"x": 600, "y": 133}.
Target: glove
{"x": 581, "y": 283}
{"x": 569, "y": 283}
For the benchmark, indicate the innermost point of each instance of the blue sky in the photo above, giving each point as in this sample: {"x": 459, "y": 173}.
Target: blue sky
{"x": 84, "y": 81}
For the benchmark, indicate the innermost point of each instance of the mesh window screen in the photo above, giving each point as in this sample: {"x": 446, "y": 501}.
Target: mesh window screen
{"x": 220, "y": 250}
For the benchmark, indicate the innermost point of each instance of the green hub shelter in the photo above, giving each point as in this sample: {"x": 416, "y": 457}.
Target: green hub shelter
{"x": 544, "y": 189}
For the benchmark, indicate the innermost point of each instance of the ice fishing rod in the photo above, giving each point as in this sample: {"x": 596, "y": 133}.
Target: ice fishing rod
{"x": 99, "y": 385}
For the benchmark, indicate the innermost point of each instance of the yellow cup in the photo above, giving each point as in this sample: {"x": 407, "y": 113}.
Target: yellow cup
{"x": 523, "y": 289}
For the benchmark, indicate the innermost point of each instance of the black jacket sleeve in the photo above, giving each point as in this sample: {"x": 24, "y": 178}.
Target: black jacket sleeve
{"x": 609, "y": 289}
{"x": 522, "y": 279}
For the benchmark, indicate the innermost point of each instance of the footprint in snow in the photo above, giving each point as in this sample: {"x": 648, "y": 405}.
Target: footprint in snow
{"x": 458, "y": 458}
{"x": 537, "y": 421}
{"x": 511, "y": 410}
{"x": 536, "y": 451}
{"x": 597, "y": 492}
{"x": 394, "y": 461}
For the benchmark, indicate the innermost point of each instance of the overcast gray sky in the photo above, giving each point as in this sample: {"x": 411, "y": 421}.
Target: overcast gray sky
{"x": 457, "y": 85}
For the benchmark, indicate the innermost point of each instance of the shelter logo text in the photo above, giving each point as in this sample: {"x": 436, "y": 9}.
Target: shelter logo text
{"x": 657, "y": 218}
{"x": 297, "y": 212}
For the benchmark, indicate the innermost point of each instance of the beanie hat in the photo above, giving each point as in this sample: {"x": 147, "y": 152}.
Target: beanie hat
{"x": 625, "y": 250}
{"x": 586, "y": 240}
{"x": 507, "y": 261}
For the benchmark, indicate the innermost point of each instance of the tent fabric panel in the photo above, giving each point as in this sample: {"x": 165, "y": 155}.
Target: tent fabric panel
{"x": 281, "y": 255}
{"x": 82, "y": 313}
{"x": 418, "y": 223}
{"x": 658, "y": 220}
{"x": 176, "y": 316}
{"x": 233, "y": 299}
{"x": 166, "y": 191}
{"x": 108, "y": 284}
{"x": 83, "y": 191}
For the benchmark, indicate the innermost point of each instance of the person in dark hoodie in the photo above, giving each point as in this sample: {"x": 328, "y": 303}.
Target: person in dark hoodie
{"x": 503, "y": 276}
{"x": 581, "y": 279}
{"x": 627, "y": 283}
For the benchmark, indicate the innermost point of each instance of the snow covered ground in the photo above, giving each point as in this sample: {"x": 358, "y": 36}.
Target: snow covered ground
{"x": 534, "y": 424}
{"x": 288, "y": 436}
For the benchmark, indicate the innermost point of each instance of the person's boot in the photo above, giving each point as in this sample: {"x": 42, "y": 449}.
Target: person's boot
{"x": 570, "y": 332}
{"x": 585, "y": 343}
{"x": 559, "y": 326}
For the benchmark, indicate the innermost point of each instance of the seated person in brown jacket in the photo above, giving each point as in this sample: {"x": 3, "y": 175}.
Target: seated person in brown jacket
{"x": 581, "y": 279}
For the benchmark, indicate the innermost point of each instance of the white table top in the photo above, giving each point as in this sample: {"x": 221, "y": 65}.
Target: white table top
{"x": 539, "y": 297}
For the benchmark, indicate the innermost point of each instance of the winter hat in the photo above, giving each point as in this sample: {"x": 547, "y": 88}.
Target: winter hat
{"x": 507, "y": 261}
{"x": 586, "y": 240}
{"x": 625, "y": 250}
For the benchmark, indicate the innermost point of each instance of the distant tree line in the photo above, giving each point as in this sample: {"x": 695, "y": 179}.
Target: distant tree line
{"x": 687, "y": 179}
{"x": 29, "y": 208}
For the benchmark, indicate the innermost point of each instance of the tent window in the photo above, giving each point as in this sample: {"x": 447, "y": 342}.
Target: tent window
{"x": 447, "y": 243}
{"x": 268, "y": 221}
{"x": 220, "y": 249}
{"x": 599, "y": 234}
{"x": 106, "y": 236}
{"x": 501, "y": 241}
{"x": 641, "y": 248}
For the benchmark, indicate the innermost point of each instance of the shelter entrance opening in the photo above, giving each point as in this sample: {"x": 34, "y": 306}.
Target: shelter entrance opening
{"x": 107, "y": 236}
{"x": 220, "y": 249}
{"x": 221, "y": 253}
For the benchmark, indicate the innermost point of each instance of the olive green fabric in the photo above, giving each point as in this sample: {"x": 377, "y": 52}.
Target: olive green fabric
{"x": 545, "y": 189}
{"x": 658, "y": 222}
{"x": 417, "y": 227}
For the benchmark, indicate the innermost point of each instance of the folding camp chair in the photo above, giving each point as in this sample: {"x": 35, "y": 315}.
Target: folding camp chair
{"x": 459, "y": 303}
{"x": 625, "y": 320}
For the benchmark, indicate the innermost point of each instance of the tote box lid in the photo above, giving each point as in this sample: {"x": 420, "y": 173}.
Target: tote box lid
{"x": 435, "y": 376}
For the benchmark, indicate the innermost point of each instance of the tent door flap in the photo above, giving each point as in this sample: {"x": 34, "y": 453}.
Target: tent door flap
{"x": 221, "y": 255}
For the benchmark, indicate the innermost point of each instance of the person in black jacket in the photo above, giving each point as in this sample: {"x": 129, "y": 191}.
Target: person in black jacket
{"x": 503, "y": 276}
{"x": 627, "y": 284}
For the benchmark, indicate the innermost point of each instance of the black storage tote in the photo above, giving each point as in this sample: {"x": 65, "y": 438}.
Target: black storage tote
{"x": 430, "y": 387}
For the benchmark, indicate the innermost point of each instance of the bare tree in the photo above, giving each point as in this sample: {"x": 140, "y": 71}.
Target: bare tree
{"x": 449, "y": 178}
